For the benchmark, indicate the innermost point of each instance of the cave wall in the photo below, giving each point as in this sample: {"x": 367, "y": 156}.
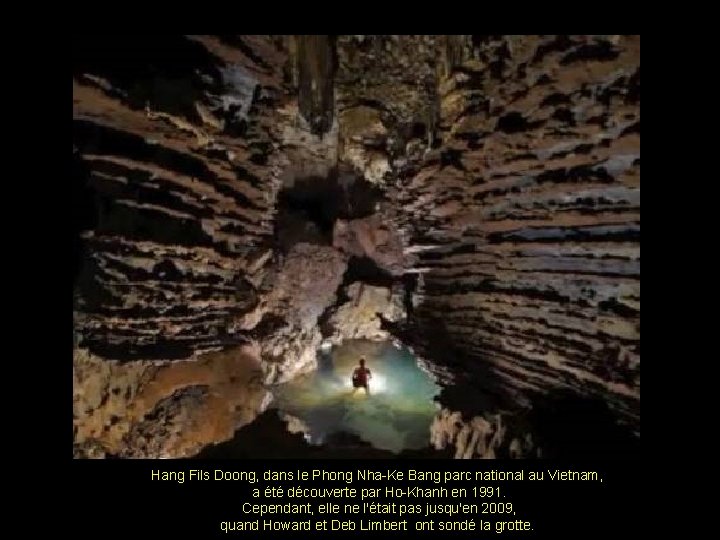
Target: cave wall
{"x": 180, "y": 144}
{"x": 285, "y": 321}
{"x": 528, "y": 215}
{"x": 487, "y": 436}
{"x": 513, "y": 163}
{"x": 176, "y": 139}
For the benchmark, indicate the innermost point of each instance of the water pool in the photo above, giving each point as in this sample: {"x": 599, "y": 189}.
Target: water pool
{"x": 397, "y": 413}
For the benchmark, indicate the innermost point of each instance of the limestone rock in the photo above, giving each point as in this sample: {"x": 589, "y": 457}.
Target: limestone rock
{"x": 531, "y": 204}
{"x": 361, "y": 316}
{"x": 178, "y": 176}
{"x": 373, "y": 237}
{"x": 285, "y": 320}
{"x": 163, "y": 409}
{"x": 480, "y": 437}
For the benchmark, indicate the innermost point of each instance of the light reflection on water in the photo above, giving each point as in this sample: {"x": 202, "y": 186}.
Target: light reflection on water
{"x": 395, "y": 416}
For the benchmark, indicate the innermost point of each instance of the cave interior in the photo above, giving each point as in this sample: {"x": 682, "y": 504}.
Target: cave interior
{"x": 254, "y": 213}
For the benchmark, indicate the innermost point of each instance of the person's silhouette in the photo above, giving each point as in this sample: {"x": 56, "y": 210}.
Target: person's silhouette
{"x": 361, "y": 377}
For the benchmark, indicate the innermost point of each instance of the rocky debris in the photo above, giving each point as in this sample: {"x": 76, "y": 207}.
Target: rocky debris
{"x": 295, "y": 424}
{"x": 481, "y": 437}
{"x": 190, "y": 403}
{"x": 285, "y": 320}
{"x": 362, "y": 316}
{"x": 373, "y": 164}
{"x": 373, "y": 237}
{"x": 89, "y": 449}
{"x": 154, "y": 435}
{"x": 104, "y": 396}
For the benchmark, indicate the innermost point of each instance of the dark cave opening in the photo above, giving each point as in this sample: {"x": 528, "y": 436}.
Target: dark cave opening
{"x": 360, "y": 197}
{"x": 366, "y": 270}
{"x": 309, "y": 207}
{"x": 307, "y": 212}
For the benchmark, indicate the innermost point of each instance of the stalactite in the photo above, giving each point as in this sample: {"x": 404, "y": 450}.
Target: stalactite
{"x": 316, "y": 67}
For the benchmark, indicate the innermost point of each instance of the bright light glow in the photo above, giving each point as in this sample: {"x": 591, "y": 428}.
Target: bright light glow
{"x": 378, "y": 384}
{"x": 396, "y": 414}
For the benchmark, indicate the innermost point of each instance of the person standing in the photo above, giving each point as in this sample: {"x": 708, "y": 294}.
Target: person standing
{"x": 361, "y": 377}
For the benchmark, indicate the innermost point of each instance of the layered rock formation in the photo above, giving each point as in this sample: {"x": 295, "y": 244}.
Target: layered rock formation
{"x": 174, "y": 140}
{"x": 475, "y": 196}
{"x": 163, "y": 409}
{"x": 174, "y": 145}
{"x": 530, "y": 209}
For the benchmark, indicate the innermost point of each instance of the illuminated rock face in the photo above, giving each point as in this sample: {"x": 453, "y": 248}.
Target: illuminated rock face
{"x": 361, "y": 316}
{"x": 501, "y": 219}
{"x": 285, "y": 320}
{"x": 481, "y": 438}
{"x": 163, "y": 409}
